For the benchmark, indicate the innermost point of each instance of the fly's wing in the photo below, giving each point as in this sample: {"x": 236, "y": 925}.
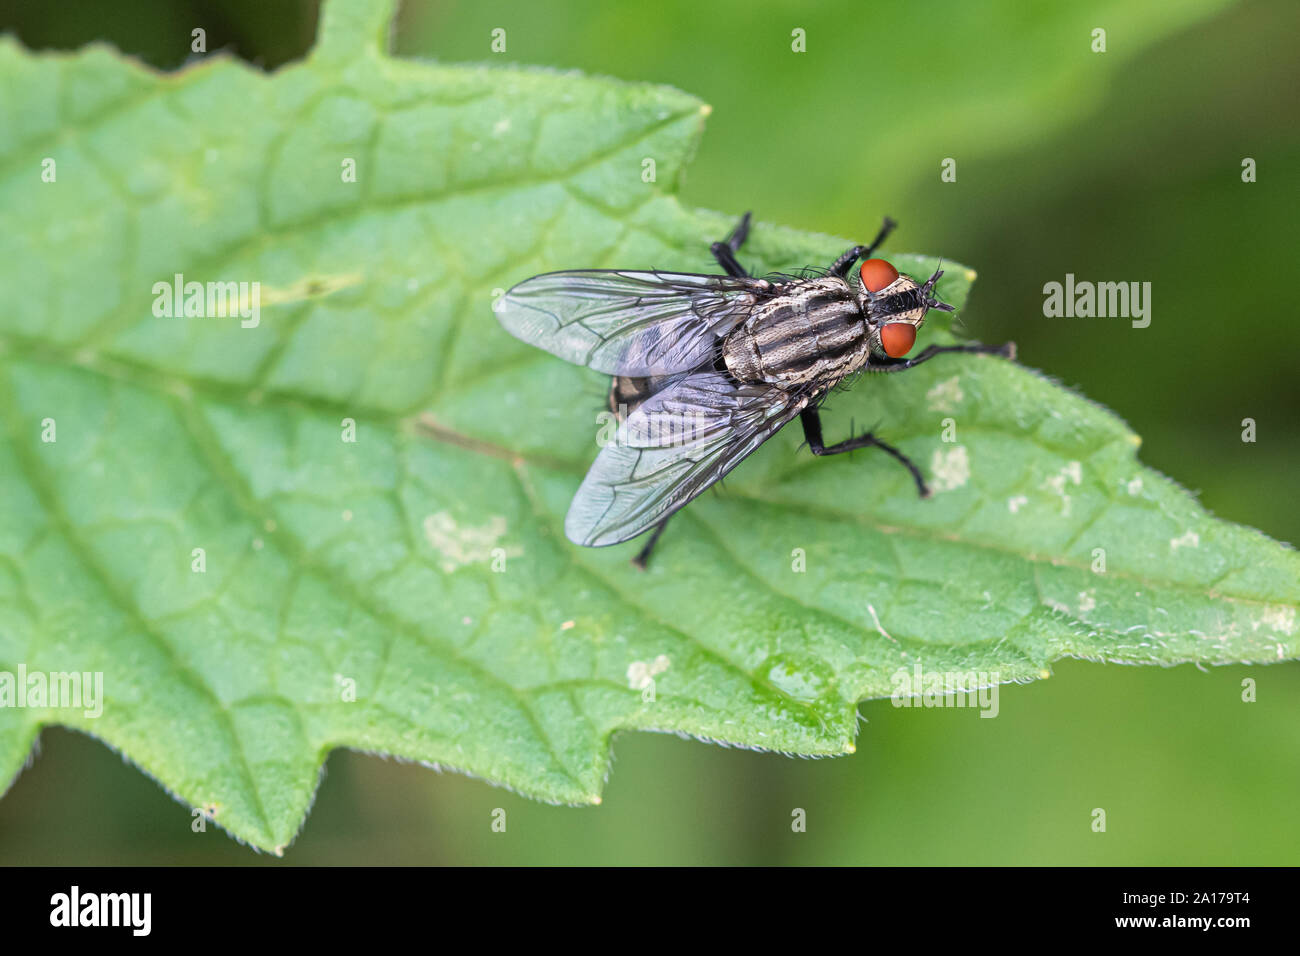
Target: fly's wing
{"x": 628, "y": 323}
{"x": 672, "y": 447}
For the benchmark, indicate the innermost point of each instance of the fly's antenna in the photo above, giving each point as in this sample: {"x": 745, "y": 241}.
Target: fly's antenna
{"x": 927, "y": 292}
{"x": 928, "y": 287}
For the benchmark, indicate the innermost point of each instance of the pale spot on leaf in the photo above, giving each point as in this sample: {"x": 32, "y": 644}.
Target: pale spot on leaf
{"x": 1071, "y": 474}
{"x": 949, "y": 469}
{"x": 460, "y": 545}
{"x": 639, "y": 673}
{"x": 946, "y": 396}
{"x": 1277, "y": 617}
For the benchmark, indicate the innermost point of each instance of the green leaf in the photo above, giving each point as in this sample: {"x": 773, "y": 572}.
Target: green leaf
{"x": 332, "y": 567}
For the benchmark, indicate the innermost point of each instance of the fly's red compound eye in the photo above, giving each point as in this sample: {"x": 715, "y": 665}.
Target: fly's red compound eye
{"x": 898, "y": 338}
{"x": 877, "y": 274}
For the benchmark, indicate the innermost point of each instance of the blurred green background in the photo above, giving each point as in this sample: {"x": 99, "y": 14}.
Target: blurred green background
{"x": 1123, "y": 165}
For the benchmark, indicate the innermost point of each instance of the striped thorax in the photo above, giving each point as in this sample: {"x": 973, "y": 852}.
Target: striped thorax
{"x": 813, "y": 333}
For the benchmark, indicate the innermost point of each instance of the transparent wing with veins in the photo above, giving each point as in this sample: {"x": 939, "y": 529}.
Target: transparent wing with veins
{"x": 629, "y": 323}
{"x": 672, "y": 447}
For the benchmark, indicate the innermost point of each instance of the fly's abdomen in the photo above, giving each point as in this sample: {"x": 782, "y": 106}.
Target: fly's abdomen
{"x": 813, "y": 334}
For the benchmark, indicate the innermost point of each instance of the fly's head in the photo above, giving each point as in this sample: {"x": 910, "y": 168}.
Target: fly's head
{"x": 895, "y": 306}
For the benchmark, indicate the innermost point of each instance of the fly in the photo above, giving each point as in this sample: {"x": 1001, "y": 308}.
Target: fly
{"x": 708, "y": 367}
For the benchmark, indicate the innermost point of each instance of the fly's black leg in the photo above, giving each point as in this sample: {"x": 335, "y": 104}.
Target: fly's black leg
{"x": 725, "y": 251}
{"x": 727, "y": 259}
{"x": 811, "y": 420}
{"x": 886, "y": 228}
{"x": 643, "y": 556}
{"x": 738, "y": 235}
{"x": 841, "y": 266}
{"x": 1007, "y": 351}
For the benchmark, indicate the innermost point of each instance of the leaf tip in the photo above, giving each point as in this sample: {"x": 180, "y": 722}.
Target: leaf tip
{"x": 706, "y": 110}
